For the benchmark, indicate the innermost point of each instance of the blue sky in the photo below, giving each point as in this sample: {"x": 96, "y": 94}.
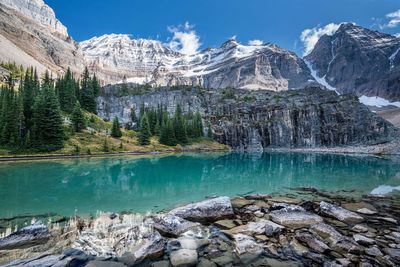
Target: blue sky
{"x": 214, "y": 21}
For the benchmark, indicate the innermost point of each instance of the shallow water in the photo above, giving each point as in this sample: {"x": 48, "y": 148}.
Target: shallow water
{"x": 84, "y": 186}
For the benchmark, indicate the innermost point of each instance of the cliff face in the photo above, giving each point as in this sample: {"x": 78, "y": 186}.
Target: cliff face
{"x": 264, "y": 66}
{"x": 31, "y": 35}
{"x": 310, "y": 117}
{"x": 360, "y": 61}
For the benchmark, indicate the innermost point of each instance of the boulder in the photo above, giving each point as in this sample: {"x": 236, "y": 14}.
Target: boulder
{"x": 247, "y": 248}
{"x": 29, "y": 236}
{"x": 312, "y": 242}
{"x": 184, "y": 257}
{"x": 171, "y": 225}
{"x": 225, "y": 224}
{"x": 340, "y": 213}
{"x": 257, "y": 228}
{"x": 363, "y": 240}
{"x": 207, "y": 210}
{"x": 295, "y": 219}
{"x": 326, "y": 231}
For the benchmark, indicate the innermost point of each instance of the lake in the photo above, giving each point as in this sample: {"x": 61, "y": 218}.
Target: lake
{"x": 153, "y": 183}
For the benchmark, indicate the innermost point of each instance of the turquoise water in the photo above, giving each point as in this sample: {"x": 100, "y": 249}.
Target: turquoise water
{"x": 84, "y": 186}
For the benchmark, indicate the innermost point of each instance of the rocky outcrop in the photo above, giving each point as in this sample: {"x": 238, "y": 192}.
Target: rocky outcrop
{"x": 360, "y": 61}
{"x": 265, "y": 66}
{"x": 259, "y": 120}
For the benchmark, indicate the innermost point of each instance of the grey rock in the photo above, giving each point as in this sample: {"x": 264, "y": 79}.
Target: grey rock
{"x": 184, "y": 257}
{"x": 374, "y": 251}
{"x": 295, "y": 219}
{"x": 207, "y": 210}
{"x": 26, "y": 237}
{"x": 173, "y": 226}
{"x": 363, "y": 240}
{"x": 97, "y": 263}
{"x": 340, "y": 213}
{"x": 312, "y": 242}
{"x": 258, "y": 228}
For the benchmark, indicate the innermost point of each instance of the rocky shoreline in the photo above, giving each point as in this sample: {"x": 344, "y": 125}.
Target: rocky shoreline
{"x": 310, "y": 228}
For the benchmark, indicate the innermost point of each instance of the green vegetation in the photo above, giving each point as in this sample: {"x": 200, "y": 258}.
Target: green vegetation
{"x": 78, "y": 118}
{"x": 116, "y": 129}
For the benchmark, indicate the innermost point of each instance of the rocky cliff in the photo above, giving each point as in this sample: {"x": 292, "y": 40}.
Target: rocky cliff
{"x": 256, "y": 120}
{"x": 31, "y": 35}
{"x": 265, "y": 66}
{"x": 360, "y": 61}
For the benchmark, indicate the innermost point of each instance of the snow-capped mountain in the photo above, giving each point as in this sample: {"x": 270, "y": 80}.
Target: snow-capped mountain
{"x": 358, "y": 60}
{"x": 265, "y": 66}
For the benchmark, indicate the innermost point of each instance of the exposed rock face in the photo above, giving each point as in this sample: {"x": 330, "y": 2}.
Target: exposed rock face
{"x": 38, "y": 11}
{"x": 359, "y": 61}
{"x": 231, "y": 65}
{"x": 256, "y": 120}
{"x": 31, "y": 35}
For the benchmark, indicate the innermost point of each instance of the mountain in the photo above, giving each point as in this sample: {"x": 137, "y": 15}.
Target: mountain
{"x": 31, "y": 35}
{"x": 360, "y": 61}
{"x": 265, "y": 66}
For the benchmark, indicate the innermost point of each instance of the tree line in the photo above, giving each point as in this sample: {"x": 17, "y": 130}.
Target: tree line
{"x": 31, "y": 116}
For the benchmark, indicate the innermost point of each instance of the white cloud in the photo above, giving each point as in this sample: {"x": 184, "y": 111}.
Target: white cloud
{"x": 184, "y": 39}
{"x": 256, "y": 42}
{"x": 310, "y": 37}
{"x": 394, "y": 19}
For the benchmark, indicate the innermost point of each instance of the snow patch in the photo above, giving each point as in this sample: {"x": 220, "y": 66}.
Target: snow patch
{"x": 377, "y": 101}
{"x": 320, "y": 80}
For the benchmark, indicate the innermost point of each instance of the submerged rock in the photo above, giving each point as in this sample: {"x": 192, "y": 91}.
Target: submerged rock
{"x": 340, "y": 213}
{"x": 171, "y": 225}
{"x": 207, "y": 210}
{"x": 29, "y": 236}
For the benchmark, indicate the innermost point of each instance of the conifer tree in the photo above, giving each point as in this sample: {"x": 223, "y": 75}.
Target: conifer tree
{"x": 78, "y": 118}
{"x": 209, "y": 131}
{"x": 87, "y": 97}
{"x": 179, "y": 126}
{"x": 48, "y": 128}
{"x": 144, "y": 130}
{"x": 167, "y": 136}
{"x": 116, "y": 129}
{"x": 66, "y": 91}
{"x": 134, "y": 119}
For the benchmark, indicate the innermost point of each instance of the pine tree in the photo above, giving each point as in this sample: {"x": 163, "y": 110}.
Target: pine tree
{"x": 116, "y": 129}
{"x": 179, "y": 126}
{"x": 198, "y": 126}
{"x": 66, "y": 91}
{"x": 78, "y": 118}
{"x": 48, "y": 128}
{"x": 87, "y": 96}
{"x": 209, "y": 131}
{"x": 167, "y": 136}
{"x": 144, "y": 130}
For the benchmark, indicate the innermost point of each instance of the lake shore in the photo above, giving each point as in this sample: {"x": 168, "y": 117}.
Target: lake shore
{"x": 307, "y": 227}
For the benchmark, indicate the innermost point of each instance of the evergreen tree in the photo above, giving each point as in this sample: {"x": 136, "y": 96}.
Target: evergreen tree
{"x": 198, "y": 126}
{"x": 87, "y": 96}
{"x": 78, "y": 118}
{"x": 134, "y": 119}
{"x": 144, "y": 130}
{"x": 48, "y": 128}
{"x": 116, "y": 129}
{"x": 167, "y": 136}
{"x": 66, "y": 91}
{"x": 95, "y": 86}
{"x": 179, "y": 126}
{"x": 209, "y": 131}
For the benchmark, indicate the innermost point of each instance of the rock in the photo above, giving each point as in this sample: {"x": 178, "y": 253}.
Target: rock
{"x": 257, "y": 228}
{"x": 223, "y": 260}
{"x": 104, "y": 264}
{"x": 184, "y": 257}
{"x": 206, "y": 263}
{"x": 160, "y": 264}
{"x": 241, "y": 202}
{"x": 366, "y": 211}
{"x": 374, "y": 251}
{"x": 151, "y": 247}
{"x": 286, "y": 207}
{"x": 287, "y": 200}
{"x": 172, "y": 226}
{"x": 295, "y": 219}
{"x": 105, "y": 221}
{"x": 363, "y": 240}
{"x": 246, "y": 248}
{"x": 393, "y": 253}
{"x": 355, "y": 206}
{"x": 43, "y": 260}
{"x": 326, "y": 231}
{"x": 225, "y": 224}
{"x": 207, "y": 210}
{"x": 387, "y": 219}
{"x": 252, "y": 208}
{"x": 359, "y": 228}
{"x": 192, "y": 243}
{"x": 312, "y": 242}
{"x": 344, "y": 262}
{"x": 340, "y": 213}
{"x": 29, "y": 236}
{"x": 298, "y": 248}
